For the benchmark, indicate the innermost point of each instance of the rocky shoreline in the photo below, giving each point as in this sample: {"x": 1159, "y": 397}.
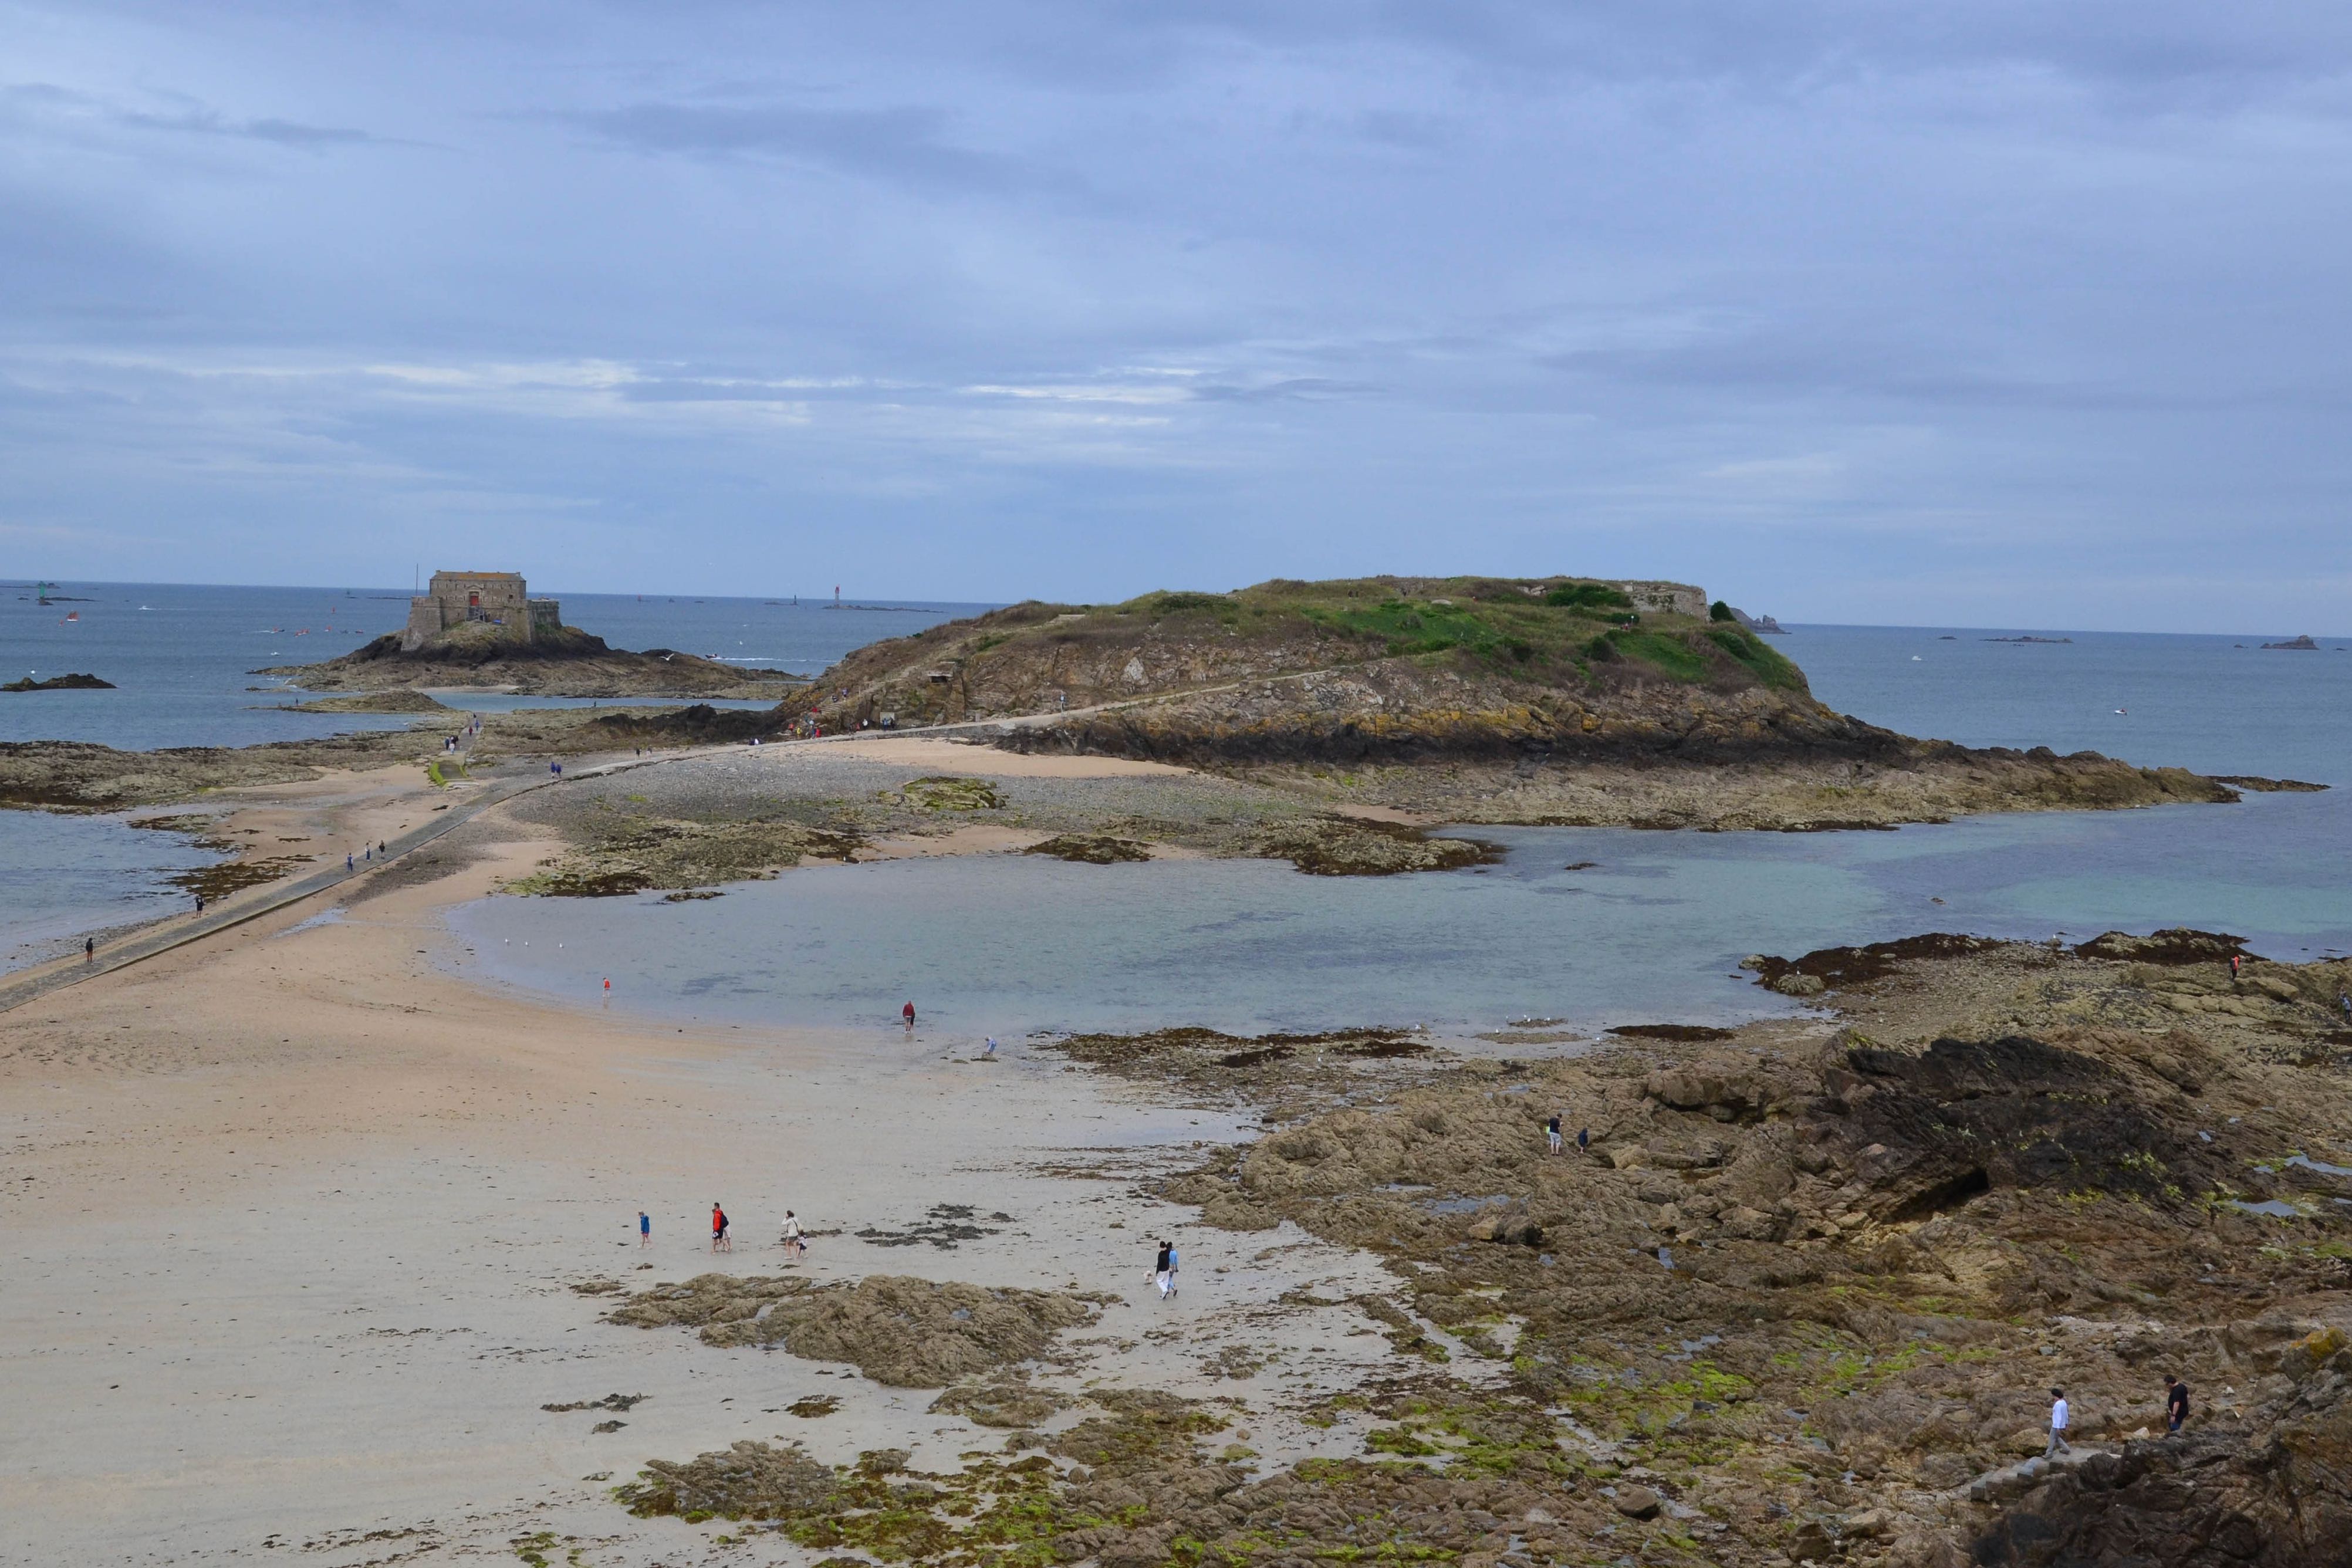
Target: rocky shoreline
{"x": 1802, "y": 1300}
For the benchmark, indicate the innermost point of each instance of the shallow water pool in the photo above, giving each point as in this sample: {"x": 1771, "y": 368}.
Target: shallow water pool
{"x": 1006, "y": 944}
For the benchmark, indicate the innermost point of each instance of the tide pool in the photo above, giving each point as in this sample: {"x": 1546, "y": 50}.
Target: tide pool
{"x": 61, "y": 876}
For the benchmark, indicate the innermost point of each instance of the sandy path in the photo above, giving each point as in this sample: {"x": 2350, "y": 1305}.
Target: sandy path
{"x": 987, "y": 761}
{"x": 292, "y": 1215}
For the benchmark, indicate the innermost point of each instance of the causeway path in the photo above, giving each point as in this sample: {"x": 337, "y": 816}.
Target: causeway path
{"x": 177, "y": 931}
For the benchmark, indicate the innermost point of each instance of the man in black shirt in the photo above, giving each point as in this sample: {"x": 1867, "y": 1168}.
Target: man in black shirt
{"x": 2175, "y": 1403}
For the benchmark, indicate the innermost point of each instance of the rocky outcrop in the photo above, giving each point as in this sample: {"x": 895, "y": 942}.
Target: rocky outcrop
{"x": 903, "y": 1333}
{"x": 60, "y": 683}
{"x": 562, "y": 661}
{"x": 2275, "y": 1491}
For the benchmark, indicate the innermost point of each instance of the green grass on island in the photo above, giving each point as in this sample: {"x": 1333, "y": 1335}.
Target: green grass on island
{"x": 1545, "y": 630}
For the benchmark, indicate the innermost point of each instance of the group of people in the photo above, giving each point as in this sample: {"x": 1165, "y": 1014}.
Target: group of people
{"x": 1163, "y": 1269}
{"x": 722, "y": 1232}
{"x": 1554, "y": 1138}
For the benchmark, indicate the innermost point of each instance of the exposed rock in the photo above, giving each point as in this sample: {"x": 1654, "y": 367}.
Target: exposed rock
{"x": 2260, "y": 785}
{"x": 903, "y": 1331}
{"x": 60, "y": 683}
{"x": 1090, "y": 848}
{"x": 1011, "y": 1403}
{"x": 554, "y": 662}
{"x": 750, "y": 1480}
{"x": 1352, "y": 846}
{"x": 395, "y": 702}
{"x": 626, "y": 852}
{"x": 1637, "y": 1502}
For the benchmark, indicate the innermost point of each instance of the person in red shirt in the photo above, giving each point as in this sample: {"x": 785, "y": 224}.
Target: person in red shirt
{"x": 719, "y": 1241}
{"x": 907, "y": 1012}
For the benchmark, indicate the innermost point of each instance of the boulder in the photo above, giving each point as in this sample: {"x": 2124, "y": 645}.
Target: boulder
{"x": 1637, "y": 1502}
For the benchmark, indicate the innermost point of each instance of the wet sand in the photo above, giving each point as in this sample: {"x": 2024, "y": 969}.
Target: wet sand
{"x": 294, "y": 1217}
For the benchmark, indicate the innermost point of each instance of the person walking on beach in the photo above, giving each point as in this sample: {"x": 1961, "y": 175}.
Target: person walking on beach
{"x": 2235, "y": 959}
{"x": 1551, "y": 1134}
{"x": 88, "y": 949}
{"x": 1163, "y": 1270}
{"x": 2058, "y": 1443}
{"x": 1583, "y": 1139}
{"x": 2176, "y": 1404}
{"x": 644, "y": 1228}
{"x": 795, "y": 1243}
{"x": 719, "y": 1241}
{"x": 908, "y": 1012}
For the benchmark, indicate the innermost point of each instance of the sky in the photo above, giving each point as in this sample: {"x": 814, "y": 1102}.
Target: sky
{"x": 1987, "y": 313}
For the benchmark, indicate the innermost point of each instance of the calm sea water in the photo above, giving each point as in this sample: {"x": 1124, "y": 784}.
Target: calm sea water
{"x": 183, "y": 657}
{"x": 1003, "y": 944}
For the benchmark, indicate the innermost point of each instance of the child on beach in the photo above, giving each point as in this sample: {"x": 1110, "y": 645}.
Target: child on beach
{"x": 644, "y": 1228}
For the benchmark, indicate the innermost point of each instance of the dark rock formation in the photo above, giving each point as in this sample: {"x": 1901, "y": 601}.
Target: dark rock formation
{"x": 560, "y": 662}
{"x": 60, "y": 683}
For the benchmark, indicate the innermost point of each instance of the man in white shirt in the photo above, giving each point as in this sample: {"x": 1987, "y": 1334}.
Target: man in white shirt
{"x": 2057, "y": 1425}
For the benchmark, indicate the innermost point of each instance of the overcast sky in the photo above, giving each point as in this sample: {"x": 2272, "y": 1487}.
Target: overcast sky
{"x": 1980, "y": 313}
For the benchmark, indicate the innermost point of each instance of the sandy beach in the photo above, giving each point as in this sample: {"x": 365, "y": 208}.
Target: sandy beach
{"x": 295, "y": 1220}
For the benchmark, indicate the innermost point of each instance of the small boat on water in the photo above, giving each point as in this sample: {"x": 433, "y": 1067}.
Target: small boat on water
{"x": 73, "y": 615}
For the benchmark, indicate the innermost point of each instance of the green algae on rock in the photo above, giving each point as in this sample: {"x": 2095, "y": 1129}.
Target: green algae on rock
{"x": 627, "y": 852}
{"x": 899, "y": 1330}
{"x": 1090, "y": 848}
{"x": 1355, "y": 847}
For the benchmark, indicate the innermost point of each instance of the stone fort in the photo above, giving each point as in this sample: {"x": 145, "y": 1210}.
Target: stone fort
{"x": 496, "y": 598}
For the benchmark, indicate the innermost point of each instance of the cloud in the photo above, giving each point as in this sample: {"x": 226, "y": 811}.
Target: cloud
{"x": 46, "y": 100}
{"x": 903, "y": 146}
{"x": 1298, "y": 388}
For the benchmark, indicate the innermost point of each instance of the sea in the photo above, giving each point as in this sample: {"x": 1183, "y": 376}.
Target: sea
{"x": 1588, "y": 927}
